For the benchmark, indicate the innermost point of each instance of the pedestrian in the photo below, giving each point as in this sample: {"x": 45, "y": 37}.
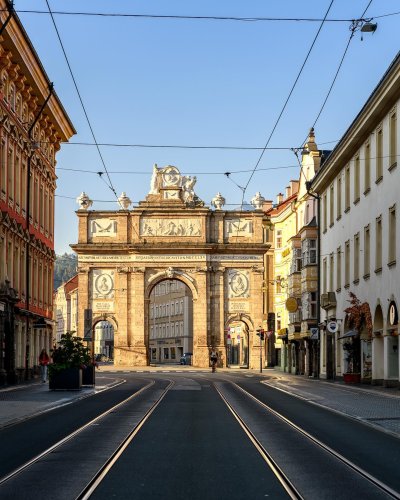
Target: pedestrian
{"x": 213, "y": 358}
{"x": 44, "y": 360}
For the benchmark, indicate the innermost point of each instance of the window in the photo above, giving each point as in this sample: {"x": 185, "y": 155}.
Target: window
{"x": 378, "y": 244}
{"x": 339, "y": 197}
{"x": 3, "y": 166}
{"x": 18, "y": 180}
{"x": 309, "y": 251}
{"x": 366, "y": 251}
{"x": 331, "y": 272}
{"x": 309, "y": 306}
{"x": 325, "y": 212}
{"x": 357, "y": 179}
{"x": 356, "y": 257}
{"x": 339, "y": 268}
{"x": 278, "y": 284}
{"x": 324, "y": 276}
{"x": 393, "y": 140}
{"x": 367, "y": 168}
{"x": 331, "y": 205}
{"x": 313, "y": 304}
{"x": 295, "y": 266}
{"x": 347, "y": 264}
{"x": 279, "y": 238}
{"x": 347, "y": 189}
{"x": 379, "y": 155}
{"x": 10, "y": 174}
{"x": 392, "y": 235}
{"x": 23, "y": 186}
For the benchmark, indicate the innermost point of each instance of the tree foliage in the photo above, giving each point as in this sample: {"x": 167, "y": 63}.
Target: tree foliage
{"x": 64, "y": 268}
{"x": 359, "y": 314}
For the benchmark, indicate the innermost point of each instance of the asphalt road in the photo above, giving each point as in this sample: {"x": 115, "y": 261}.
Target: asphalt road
{"x": 191, "y": 446}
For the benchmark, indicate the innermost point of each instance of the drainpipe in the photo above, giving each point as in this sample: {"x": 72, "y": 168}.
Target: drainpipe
{"x": 28, "y": 214}
{"x": 318, "y": 198}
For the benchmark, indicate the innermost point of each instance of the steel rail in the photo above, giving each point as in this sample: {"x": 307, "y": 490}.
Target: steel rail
{"x": 278, "y": 472}
{"x": 49, "y": 450}
{"x": 376, "y": 482}
{"x": 104, "y": 470}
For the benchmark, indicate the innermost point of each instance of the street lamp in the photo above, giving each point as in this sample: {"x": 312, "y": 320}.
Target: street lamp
{"x": 260, "y": 333}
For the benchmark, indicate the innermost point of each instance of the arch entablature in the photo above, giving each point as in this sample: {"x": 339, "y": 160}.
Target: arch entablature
{"x": 105, "y": 317}
{"x": 240, "y": 317}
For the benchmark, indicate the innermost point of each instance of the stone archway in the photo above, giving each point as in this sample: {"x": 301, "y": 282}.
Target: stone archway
{"x": 218, "y": 254}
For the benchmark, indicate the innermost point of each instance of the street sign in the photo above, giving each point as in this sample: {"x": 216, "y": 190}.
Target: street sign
{"x": 229, "y": 341}
{"x": 314, "y": 333}
{"x": 332, "y": 326}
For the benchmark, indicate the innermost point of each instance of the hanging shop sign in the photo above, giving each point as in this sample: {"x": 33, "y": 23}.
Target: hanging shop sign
{"x": 332, "y": 326}
{"x": 291, "y": 305}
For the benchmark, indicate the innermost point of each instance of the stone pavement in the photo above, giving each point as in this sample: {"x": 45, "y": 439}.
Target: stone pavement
{"x": 377, "y": 406}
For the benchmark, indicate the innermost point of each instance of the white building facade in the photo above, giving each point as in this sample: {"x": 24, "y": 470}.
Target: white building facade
{"x": 358, "y": 187}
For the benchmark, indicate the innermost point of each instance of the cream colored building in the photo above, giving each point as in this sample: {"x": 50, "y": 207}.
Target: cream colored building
{"x": 217, "y": 254}
{"x": 171, "y": 321}
{"x": 65, "y": 312}
{"x": 359, "y": 190}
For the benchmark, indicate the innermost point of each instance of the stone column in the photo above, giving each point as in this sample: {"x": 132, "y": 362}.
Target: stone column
{"x": 218, "y": 319}
{"x": 256, "y": 311}
{"x": 122, "y": 339}
{"x": 83, "y": 285}
{"x": 201, "y": 334}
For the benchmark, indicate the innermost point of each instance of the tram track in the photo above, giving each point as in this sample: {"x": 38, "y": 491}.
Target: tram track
{"x": 262, "y": 441}
{"x": 125, "y": 417}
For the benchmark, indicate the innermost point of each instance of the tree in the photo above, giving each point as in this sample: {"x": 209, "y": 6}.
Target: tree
{"x": 64, "y": 268}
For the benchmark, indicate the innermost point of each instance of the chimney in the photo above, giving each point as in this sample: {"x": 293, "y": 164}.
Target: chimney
{"x": 294, "y": 187}
{"x": 267, "y": 205}
{"x": 288, "y": 192}
{"x": 279, "y": 198}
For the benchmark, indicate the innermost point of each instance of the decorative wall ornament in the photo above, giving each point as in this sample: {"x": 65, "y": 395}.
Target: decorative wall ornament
{"x": 258, "y": 201}
{"x": 124, "y": 201}
{"x": 84, "y": 201}
{"x": 238, "y": 227}
{"x": 174, "y": 185}
{"x": 170, "y": 227}
{"x": 103, "y": 227}
{"x": 103, "y": 284}
{"x": 238, "y": 283}
{"x": 169, "y": 273}
{"x": 218, "y": 201}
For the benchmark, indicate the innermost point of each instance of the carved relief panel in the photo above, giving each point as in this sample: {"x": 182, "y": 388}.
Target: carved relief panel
{"x": 238, "y": 283}
{"x": 170, "y": 227}
{"x": 98, "y": 228}
{"x": 103, "y": 284}
{"x": 238, "y": 227}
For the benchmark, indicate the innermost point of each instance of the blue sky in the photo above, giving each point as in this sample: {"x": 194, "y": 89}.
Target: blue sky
{"x": 201, "y": 83}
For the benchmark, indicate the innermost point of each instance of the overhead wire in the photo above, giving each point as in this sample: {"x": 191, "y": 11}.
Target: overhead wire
{"x": 110, "y": 185}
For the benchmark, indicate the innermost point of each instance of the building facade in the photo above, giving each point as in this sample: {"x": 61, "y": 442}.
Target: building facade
{"x": 33, "y": 123}
{"x": 358, "y": 189}
{"x": 65, "y": 308}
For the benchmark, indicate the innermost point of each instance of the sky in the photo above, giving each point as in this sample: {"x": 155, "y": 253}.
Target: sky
{"x": 154, "y": 81}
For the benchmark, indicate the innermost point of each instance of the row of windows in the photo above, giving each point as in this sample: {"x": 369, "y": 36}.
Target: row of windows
{"x": 167, "y": 287}
{"x": 352, "y": 173}
{"x": 166, "y": 310}
{"x": 13, "y": 267}
{"x": 13, "y": 188}
{"x": 361, "y": 256}
{"x": 166, "y": 330}
{"x": 19, "y": 108}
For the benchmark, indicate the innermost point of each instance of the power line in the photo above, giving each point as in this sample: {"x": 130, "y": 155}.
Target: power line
{"x": 287, "y": 100}
{"x": 198, "y": 18}
{"x": 81, "y": 101}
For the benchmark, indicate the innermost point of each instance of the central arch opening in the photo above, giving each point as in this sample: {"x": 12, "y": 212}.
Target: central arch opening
{"x": 171, "y": 323}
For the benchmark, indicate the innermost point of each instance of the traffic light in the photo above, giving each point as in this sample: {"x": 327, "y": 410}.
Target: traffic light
{"x": 260, "y": 333}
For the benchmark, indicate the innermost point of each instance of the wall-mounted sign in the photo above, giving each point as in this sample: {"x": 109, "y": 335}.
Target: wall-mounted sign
{"x": 291, "y": 304}
{"x": 332, "y": 326}
{"x": 393, "y": 316}
{"x": 314, "y": 333}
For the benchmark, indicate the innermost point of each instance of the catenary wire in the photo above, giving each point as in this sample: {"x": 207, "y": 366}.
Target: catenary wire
{"x": 81, "y": 100}
{"x": 198, "y": 18}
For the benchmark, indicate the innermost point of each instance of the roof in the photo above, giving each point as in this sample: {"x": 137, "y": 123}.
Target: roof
{"x": 279, "y": 208}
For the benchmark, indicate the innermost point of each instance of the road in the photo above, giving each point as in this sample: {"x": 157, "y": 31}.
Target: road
{"x": 192, "y": 435}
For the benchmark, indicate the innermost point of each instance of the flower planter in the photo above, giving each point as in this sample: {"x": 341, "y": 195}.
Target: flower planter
{"x": 352, "y": 378}
{"x": 68, "y": 379}
{"x": 88, "y": 375}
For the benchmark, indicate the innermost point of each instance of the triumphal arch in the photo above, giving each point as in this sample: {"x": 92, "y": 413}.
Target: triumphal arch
{"x": 219, "y": 254}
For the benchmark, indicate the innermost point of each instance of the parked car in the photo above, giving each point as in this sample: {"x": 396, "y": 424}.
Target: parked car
{"x": 186, "y": 359}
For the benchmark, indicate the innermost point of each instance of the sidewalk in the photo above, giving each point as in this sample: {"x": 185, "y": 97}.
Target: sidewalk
{"x": 20, "y": 402}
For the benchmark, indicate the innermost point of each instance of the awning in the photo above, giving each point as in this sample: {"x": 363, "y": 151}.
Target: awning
{"x": 351, "y": 333}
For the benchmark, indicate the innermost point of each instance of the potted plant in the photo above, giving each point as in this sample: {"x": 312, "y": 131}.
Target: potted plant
{"x": 352, "y": 375}
{"x": 69, "y": 359}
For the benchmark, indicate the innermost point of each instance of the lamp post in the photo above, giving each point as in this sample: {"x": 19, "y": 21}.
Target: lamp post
{"x": 260, "y": 333}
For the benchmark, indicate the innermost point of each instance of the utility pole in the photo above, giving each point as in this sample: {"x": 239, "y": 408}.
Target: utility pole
{"x": 260, "y": 333}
